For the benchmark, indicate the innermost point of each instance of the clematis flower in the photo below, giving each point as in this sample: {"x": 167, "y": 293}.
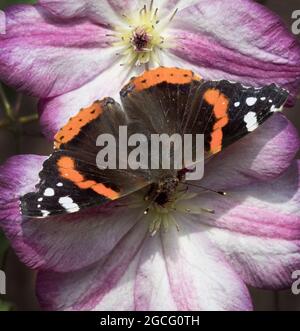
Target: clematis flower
{"x": 70, "y": 53}
{"x": 106, "y": 259}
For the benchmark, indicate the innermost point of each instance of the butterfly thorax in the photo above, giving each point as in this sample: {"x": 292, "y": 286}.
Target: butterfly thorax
{"x": 161, "y": 193}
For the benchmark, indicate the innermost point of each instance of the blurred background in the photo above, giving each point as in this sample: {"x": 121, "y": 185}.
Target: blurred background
{"x": 25, "y": 137}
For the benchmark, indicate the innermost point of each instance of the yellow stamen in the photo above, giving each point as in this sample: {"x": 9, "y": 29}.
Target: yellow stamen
{"x": 144, "y": 37}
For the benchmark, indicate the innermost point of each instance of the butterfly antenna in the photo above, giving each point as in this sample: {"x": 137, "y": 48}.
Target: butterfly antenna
{"x": 205, "y": 210}
{"x": 207, "y": 189}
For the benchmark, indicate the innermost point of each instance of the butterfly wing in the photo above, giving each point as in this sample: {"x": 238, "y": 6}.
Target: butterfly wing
{"x": 233, "y": 111}
{"x": 173, "y": 100}
{"x": 70, "y": 179}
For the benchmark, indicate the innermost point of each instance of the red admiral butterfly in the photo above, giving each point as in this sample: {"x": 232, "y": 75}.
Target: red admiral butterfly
{"x": 163, "y": 100}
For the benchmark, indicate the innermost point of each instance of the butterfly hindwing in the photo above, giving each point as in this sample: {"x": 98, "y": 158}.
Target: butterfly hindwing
{"x": 55, "y": 193}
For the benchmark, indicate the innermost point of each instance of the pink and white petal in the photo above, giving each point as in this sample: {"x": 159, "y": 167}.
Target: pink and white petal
{"x": 199, "y": 276}
{"x": 130, "y": 279}
{"x": 17, "y": 177}
{"x": 181, "y": 271}
{"x": 168, "y": 59}
{"x": 258, "y": 228}
{"x": 261, "y": 263}
{"x": 169, "y": 6}
{"x": 106, "y": 285}
{"x": 105, "y": 12}
{"x": 47, "y": 57}
{"x": 109, "y": 12}
{"x": 261, "y": 51}
{"x": 152, "y": 289}
{"x": 56, "y": 112}
{"x": 61, "y": 243}
{"x": 261, "y": 156}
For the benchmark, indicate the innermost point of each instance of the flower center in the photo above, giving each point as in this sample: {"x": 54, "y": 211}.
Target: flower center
{"x": 162, "y": 216}
{"x": 141, "y": 39}
{"x": 181, "y": 201}
{"x": 144, "y": 37}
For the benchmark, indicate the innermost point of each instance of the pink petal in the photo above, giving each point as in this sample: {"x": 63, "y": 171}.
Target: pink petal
{"x": 107, "y": 12}
{"x": 238, "y": 40}
{"x": 56, "y": 112}
{"x": 198, "y": 276}
{"x": 59, "y": 243}
{"x": 18, "y": 176}
{"x": 107, "y": 285}
{"x": 258, "y": 228}
{"x": 180, "y": 275}
{"x": 48, "y": 57}
{"x": 262, "y": 155}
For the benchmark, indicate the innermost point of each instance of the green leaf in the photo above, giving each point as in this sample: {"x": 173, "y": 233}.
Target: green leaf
{"x": 5, "y": 3}
{"x": 5, "y": 306}
{"x": 3, "y": 247}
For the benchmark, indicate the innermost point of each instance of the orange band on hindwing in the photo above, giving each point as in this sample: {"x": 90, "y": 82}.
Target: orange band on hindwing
{"x": 67, "y": 170}
{"x": 220, "y": 105}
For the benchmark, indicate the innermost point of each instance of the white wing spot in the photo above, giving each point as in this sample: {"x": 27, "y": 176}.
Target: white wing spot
{"x": 251, "y": 101}
{"x": 68, "y": 204}
{"x": 59, "y": 184}
{"x": 271, "y": 101}
{"x": 251, "y": 121}
{"x": 237, "y": 104}
{"x": 275, "y": 110}
{"x": 45, "y": 213}
{"x": 39, "y": 206}
{"x": 40, "y": 199}
{"x": 263, "y": 98}
{"x": 49, "y": 192}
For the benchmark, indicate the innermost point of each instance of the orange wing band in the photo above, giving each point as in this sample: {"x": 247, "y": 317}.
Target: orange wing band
{"x": 75, "y": 124}
{"x": 169, "y": 75}
{"x": 220, "y": 105}
{"x": 67, "y": 170}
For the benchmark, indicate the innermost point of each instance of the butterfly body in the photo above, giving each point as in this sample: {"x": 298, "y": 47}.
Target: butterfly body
{"x": 162, "y": 192}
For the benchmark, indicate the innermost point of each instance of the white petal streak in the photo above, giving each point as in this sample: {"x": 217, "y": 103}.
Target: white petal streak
{"x": 191, "y": 273}
{"x": 152, "y": 282}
